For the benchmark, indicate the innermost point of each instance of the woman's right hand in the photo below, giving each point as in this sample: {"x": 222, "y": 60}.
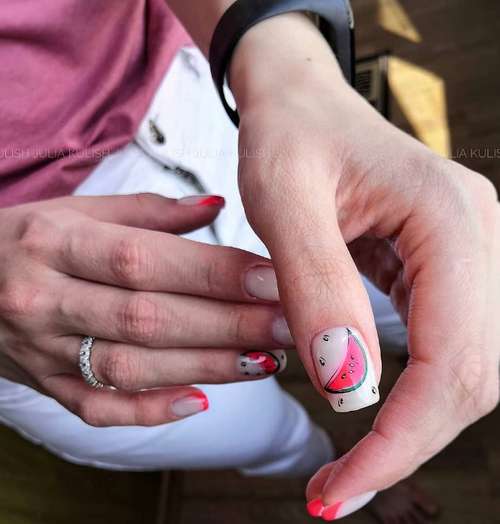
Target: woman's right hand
{"x": 113, "y": 268}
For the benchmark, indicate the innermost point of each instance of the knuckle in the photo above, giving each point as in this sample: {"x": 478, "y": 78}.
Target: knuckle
{"x": 131, "y": 264}
{"x": 465, "y": 377}
{"x": 211, "y": 369}
{"x": 209, "y": 277}
{"x": 402, "y": 469}
{"x": 36, "y": 228}
{"x": 473, "y": 392}
{"x": 89, "y": 414}
{"x": 139, "y": 320}
{"x": 239, "y": 326}
{"x": 118, "y": 368}
{"x": 19, "y": 301}
{"x": 319, "y": 274}
{"x": 143, "y": 413}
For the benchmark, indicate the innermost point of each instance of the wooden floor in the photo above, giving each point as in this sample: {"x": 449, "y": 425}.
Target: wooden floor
{"x": 443, "y": 74}
{"x": 445, "y": 81}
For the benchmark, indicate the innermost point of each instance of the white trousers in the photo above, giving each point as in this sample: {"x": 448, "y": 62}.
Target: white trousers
{"x": 186, "y": 144}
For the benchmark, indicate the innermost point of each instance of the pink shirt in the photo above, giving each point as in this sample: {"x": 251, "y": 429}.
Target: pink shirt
{"x": 76, "y": 78}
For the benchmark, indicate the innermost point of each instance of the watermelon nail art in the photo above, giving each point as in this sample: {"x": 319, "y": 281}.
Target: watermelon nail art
{"x": 345, "y": 369}
{"x": 261, "y": 363}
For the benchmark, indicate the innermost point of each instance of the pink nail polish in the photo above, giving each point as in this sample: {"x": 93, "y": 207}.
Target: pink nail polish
{"x": 190, "y": 405}
{"x": 281, "y": 332}
{"x": 202, "y": 200}
{"x": 260, "y": 282}
{"x": 315, "y": 507}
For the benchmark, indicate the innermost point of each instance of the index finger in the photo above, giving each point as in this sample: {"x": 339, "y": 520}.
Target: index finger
{"x": 147, "y": 210}
{"x": 153, "y": 261}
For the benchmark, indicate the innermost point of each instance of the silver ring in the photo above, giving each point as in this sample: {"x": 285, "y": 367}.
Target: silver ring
{"x": 86, "y": 347}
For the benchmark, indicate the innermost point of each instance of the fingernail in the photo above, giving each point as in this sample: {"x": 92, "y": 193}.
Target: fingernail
{"x": 281, "y": 332}
{"x": 260, "y": 282}
{"x": 261, "y": 363}
{"x": 342, "y": 509}
{"x": 202, "y": 200}
{"x": 345, "y": 369}
{"x": 190, "y": 405}
{"x": 315, "y": 508}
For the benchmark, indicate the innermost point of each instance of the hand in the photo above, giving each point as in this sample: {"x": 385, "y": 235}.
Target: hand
{"x": 105, "y": 267}
{"x": 335, "y": 188}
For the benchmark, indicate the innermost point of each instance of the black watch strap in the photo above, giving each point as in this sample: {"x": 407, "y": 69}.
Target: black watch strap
{"x": 336, "y": 25}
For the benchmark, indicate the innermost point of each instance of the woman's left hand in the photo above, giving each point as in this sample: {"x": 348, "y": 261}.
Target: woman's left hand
{"x": 331, "y": 187}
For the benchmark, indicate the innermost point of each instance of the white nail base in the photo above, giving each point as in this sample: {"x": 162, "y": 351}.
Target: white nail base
{"x": 354, "y": 504}
{"x": 345, "y": 369}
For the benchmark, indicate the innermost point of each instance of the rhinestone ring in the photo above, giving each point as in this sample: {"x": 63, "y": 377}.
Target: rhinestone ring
{"x": 85, "y": 365}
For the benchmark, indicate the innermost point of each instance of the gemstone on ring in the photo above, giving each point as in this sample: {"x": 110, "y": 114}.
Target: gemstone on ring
{"x": 86, "y": 347}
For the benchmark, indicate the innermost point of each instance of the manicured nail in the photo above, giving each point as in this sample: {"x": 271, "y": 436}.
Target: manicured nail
{"x": 260, "y": 282}
{"x": 190, "y": 405}
{"x": 315, "y": 508}
{"x": 345, "y": 369}
{"x": 342, "y": 509}
{"x": 202, "y": 200}
{"x": 261, "y": 363}
{"x": 281, "y": 332}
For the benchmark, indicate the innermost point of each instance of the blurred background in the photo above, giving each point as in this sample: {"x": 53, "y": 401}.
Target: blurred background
{"x": 432, "y": 67}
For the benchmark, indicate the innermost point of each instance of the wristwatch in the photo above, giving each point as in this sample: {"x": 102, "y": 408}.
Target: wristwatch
{"x": 335, "y": 21}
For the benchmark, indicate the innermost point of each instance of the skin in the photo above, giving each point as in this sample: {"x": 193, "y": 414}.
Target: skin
{"x": 334, "y": 187}
{"x": 166, "y": 311}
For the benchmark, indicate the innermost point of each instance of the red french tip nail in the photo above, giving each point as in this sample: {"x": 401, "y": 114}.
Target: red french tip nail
{"x": 203, "y": 398}
{"x": 212, "y": 200}
{"x": 330, "y": 512}
{"x": 202, "y": 200}
{"x": 315, "y": 508}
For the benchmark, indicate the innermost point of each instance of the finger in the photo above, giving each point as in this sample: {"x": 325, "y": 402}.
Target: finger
{"x": 325, "y": 303}
{"x": 316, "y": 484}
{"x": 149, "y": 260}
{"x": 407, "y": 431}
{"x": 165, "y": 320}
{"x": 315, "y": 505}
{"x": 452, "y": 376}
{"x": 106, "y": 407}
{"x": 132, "y": 368}
{"x": 149, "y": 211}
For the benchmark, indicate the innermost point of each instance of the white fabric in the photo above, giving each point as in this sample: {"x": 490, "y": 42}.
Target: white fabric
{"x": 254, "y": 426}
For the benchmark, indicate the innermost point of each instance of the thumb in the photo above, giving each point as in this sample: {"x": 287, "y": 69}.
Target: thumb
{"x": 325, "y": 303}
{"x": 149, "y": 211}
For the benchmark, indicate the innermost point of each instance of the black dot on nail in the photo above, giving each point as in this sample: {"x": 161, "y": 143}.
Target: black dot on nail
{"x": 374, "y": 390}
{"x": 326, "y": 338}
